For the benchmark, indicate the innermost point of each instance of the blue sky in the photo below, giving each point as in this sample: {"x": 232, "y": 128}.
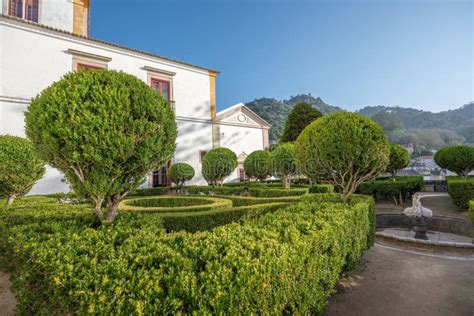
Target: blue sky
{"x": 350, "y": 53}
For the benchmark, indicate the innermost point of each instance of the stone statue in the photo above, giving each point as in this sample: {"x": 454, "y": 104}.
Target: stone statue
{"x": 417, "y": 210}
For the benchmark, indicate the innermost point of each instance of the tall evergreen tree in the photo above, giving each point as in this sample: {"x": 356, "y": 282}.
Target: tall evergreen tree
{"x": 299, "y": 117}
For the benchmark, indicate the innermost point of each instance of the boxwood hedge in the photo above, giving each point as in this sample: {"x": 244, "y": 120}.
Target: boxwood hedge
{"x": 461, "y": 190}
{"x": 284, "y": 262}
{"x": 398, "y": 189}
{"x": 172, "y": 204}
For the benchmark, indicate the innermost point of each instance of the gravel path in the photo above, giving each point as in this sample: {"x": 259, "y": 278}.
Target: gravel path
{"x": 390, "y": 282}
{"x": 7, "y": 300}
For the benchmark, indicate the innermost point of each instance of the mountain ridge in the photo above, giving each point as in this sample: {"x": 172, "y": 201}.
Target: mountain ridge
{"x": 459, "y": 121}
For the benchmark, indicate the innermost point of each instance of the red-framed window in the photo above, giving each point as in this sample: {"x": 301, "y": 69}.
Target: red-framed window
{"x": 25, "y": 9}
{"x": 161, "y": 86}
{"x": 87, "y": 67}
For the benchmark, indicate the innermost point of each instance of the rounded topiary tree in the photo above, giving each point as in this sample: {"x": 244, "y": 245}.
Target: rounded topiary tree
{"x": 105, "y": 130}
{"x": 458, "y": 159}
{"x": 181, "y": 172}
{"x": 256, "y": 165}
{"x": 344, "y": 149}
{"x": 20, "y": 167}
{"x": 300, "y": 116}
{"x": 399, "y": 159}
{"x": 282, "y": 163}
{"x": 217, "y": 164}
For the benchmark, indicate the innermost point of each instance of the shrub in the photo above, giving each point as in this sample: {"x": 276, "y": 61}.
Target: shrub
{"x": 461, "y": 191}
{"x": 171, "y": 204}
{"x": 345, "y": 149}
{"x": 256, "y": 165}
{"x": 218, "y": 164}
{"x": 300, "y": 116}
{"x": 277, "y": 192}
{"x": 321, "y": 188}
{"x": 458, "y": 159}
{"x": 180, "y": 173}
{"x": 287, "y": 261}
{"x": 151, "y": 191}
{"x": 282, "y": 163}
{"x": 105, "y": 130}
{"x": 398, "y": 189}
{"x": 258, "y": 191}
{"x": 399, "y": 159}
{"x": 20, "y": 168}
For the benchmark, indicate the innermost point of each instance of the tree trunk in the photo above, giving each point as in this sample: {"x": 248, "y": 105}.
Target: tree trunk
{"x": 98, "y": 207}
{"x": 112, "y": 210}
{"x": 10, "y": 200}
{"x": 286, "y": 182}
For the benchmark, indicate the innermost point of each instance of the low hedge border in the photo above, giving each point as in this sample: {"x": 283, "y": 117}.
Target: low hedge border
{"x": 285, "y": 262}
{"x": 321, "y": 188}
{"x": 249, "y": 200}
{"x": 399, "y": 189}
{"x": 174, "y": 204}
{"x": 471, "y": 213}
{"x": 461, "y": 191}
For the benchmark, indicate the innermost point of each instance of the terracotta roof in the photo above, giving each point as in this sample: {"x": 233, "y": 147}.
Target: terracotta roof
{"x": 8, "y": 17}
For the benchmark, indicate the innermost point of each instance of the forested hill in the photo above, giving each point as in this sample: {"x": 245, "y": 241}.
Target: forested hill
{"x": 275, "y": 112}
{"x": 423, "y": 128}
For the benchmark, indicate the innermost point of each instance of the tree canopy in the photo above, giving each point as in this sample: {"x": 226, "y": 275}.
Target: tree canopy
{"x": 256, "y": 165}
{"x": 180, "y": 173}
{"x": 399, "y": 159}
{"x": 299, "y": 117}
{"x": 281, "y": 163}
{"x": 20, "y": 167}
{"x": 105, "y": 130}
{"x": 218, "y": 164}
{"x": 458, "y": 159}
{"x": 344, "y": 149}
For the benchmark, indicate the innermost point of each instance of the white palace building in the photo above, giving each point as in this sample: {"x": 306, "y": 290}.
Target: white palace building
{"x": 41, "y": 40}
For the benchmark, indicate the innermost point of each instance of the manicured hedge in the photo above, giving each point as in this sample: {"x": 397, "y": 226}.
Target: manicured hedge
{"x": 471, "y": 212}
{"x": 353, "y": 199}
{"x": 285, "y": 262}
{"x": 171, "y": 204}
{"x": 248, "y": 200}
{"x": 461, "y": 191}
{"x": 151, "y": 191}
{"x": 321, "y": 188}
{"x": 398, "y": 189}
{"x": 252, "y": 190}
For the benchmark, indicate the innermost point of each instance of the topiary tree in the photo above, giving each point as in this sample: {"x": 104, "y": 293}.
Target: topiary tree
{"x": 105, "y": 130}
{"x": 344, "y": 149}
{"x": 282, "y": 163}
{"x": 20, "y": 167}
{"x": 218, "y": 164}
{"x": 458, "y": 159}
{"x": 181, "y": 172}
{"x": 399, "y": 159}
{"x": 300, "y": 116}
{"x": 256, "y": 165}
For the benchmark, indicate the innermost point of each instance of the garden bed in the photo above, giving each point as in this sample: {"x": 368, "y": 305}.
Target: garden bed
{"x": 285, "y": 260}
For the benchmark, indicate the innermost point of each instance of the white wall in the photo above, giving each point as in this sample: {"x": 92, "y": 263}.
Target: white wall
{"x": 34, "y": 58}
{"x": 192, "y": 138}
{"x": 57, "y": 13}
{"x": 240, "y": 139}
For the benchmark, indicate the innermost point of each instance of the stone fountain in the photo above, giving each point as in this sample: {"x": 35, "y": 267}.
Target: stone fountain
{"x": 418, "y": 214}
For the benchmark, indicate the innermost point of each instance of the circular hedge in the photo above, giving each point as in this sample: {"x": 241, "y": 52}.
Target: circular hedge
{"x": 172, "y": 204}
{"x": 399, "y": 159}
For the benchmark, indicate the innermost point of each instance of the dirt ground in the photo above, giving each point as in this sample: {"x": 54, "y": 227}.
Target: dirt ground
{"x": 7, "y": 300}
{"x": 392, "y": 282}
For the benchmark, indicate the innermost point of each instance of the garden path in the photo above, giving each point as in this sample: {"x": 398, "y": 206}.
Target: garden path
{"x": 389, "y": 281}
{"x": 7, "y": 299}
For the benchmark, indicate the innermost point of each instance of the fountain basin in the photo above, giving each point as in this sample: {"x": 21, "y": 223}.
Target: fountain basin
{"x": 445, "y": 234}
